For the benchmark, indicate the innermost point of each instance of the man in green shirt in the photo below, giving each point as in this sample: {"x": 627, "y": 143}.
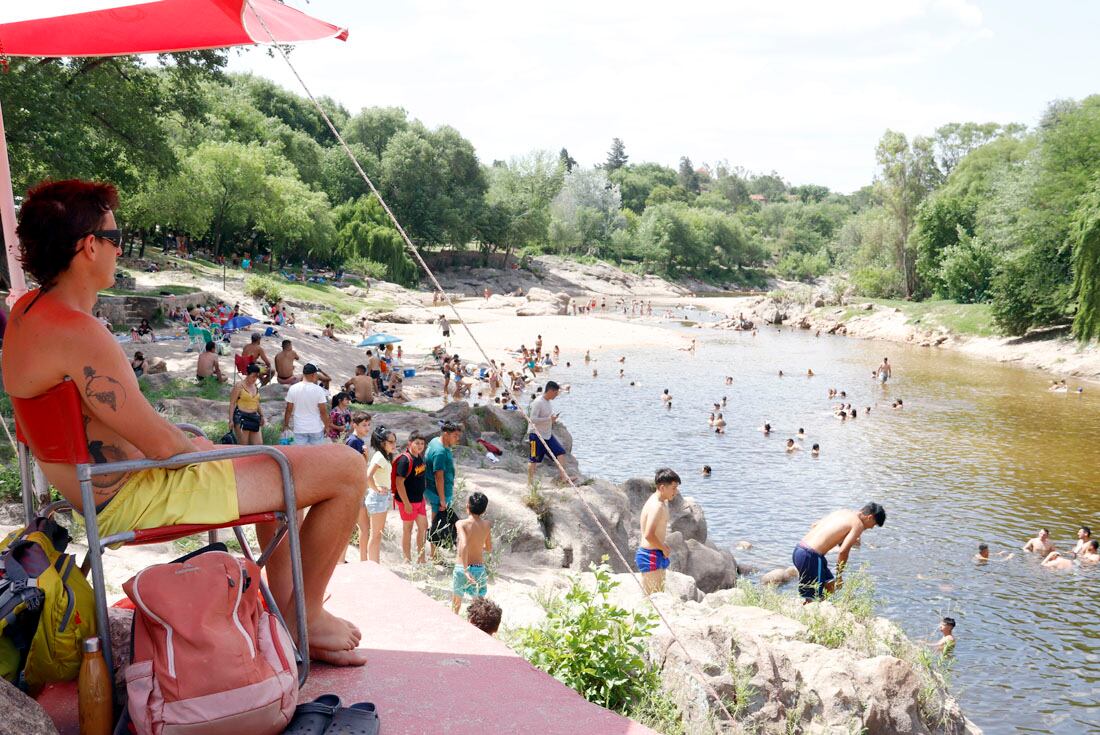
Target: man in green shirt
{"x": 440, "y": 488}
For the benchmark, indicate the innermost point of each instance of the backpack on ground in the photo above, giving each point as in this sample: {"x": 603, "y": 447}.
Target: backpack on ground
{"x": 46, "y": 607}
{"x": 207, "y": 657}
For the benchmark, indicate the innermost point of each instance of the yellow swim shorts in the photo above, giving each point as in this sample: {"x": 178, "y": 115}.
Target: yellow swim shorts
{"x": 196, "y": 493}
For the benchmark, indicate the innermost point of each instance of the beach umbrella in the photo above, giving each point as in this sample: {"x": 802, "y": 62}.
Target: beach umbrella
{"x": 379, "y": 339}
{"x": 240, "y": 322}
{"x": 123, "y": 27}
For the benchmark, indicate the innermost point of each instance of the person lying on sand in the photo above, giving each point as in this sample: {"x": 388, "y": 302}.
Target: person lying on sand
{"x": 53, "y": 337}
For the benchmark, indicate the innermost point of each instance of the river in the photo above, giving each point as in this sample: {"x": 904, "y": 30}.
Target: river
{"x": 982, "y": 452}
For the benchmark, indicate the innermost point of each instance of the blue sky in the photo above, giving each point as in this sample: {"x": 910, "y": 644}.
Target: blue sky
{"x": 801, "y": 87}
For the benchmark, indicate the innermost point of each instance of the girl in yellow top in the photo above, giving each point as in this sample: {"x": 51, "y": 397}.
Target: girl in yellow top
{"x": 245, "y": 414}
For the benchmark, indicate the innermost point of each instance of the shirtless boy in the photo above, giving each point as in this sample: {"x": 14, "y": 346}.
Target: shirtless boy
{"x": 840, "y": 528}
{"x": 1084, "y": 535}
{"x": 70, "y": 245}
{"x": 653, "y": 556}
{"x": 207, "y": 364}
{"x": 254, "y": 351}
{"x": 361, "y": 386}
{"x": 474, "y": 539}
{"x": 1041, "y": 544}
{"x": 284, "y": 364}
{"x": 947, "y": 636}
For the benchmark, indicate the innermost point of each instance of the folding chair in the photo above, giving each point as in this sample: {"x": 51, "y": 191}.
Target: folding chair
{"x": 51, "y": 427}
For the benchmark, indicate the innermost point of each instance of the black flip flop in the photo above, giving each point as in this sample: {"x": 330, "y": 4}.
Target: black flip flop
{"x": 314, "y": 718}
{"x": 358, "y": 719}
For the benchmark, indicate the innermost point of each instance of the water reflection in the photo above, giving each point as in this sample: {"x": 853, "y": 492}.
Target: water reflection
{"x": 981, "y": 453}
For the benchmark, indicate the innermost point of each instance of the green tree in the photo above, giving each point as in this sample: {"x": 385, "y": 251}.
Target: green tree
{"x": 568, "y": 163}
{"x": 585, "y": 213}
{"x": 616, "y": 157}
{"x": 940, "y": 221}
{"x": 1086, "y": 266}
{"x": 687, "y": 176}
{"x": 297, "y": 221}
{"x": 364, "y": 231}
{"x": 518, "y": 200}
{"x": 375, "y": 127}
{"x": 637, "y": 181}
{"x": 966, "y": 270}
{"x": 906, "y": 174}
{"x": 954, "y": 141}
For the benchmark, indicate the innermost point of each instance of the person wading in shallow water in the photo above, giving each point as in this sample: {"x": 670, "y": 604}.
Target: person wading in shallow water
{"x": 70, "y": 245}
{"x": 840, "y": 528}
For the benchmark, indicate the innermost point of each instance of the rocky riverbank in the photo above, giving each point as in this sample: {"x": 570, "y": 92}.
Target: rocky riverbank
{"x": 1053, "y": 351}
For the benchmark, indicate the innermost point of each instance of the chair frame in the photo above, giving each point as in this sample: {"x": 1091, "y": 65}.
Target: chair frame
{"x": 97, "y": 545}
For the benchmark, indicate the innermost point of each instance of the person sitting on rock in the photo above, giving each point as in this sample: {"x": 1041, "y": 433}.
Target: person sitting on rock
{"x": 654, "y": 555}
{"x": 207, "y": 365}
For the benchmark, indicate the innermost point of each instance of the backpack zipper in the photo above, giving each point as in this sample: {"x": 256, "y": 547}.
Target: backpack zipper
{"x": 236, "y": 609}
{"x": 157, "y": 619}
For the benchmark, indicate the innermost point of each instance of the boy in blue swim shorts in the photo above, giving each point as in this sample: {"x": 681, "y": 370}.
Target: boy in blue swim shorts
{"x": 841, "y": 528}
{"x": 652, "y": 558}
{"x": 474, "y": 539}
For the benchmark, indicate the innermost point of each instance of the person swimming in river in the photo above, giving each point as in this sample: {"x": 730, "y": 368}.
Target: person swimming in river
{"x": 841, "y": 528}
{"x": 1058, "y": 386}
{"x": 766, "y": 428}
{"x": 946, "y": 643}
{"x": 810, "y": 373}
{"x": 654, "y": 555}
{"x": 719, "y": 422}
{"x": 666, "y": 397}
{"x": 884, "y": 371}
{"x": 983, "y": 555}
{"x": 706, "y": 470}
{"x": 792, "y": 447}
{"x": 801, "y": 436}
{"x": 898, "y": 404}
{"x": 1084, "y": 535}
{"x": 729, "y": 380}
{"x": 1041, "y": 544}
{"x": 815, "y": 451}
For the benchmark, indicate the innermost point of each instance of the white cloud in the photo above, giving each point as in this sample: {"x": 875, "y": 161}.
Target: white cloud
{"x": 802, "y": 87}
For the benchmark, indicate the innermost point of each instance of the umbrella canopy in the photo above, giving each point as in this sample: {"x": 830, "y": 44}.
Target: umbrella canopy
{"x": 240, "y": 322}
{"x": 120, "y": 27}
{"x": 379, "y": 339}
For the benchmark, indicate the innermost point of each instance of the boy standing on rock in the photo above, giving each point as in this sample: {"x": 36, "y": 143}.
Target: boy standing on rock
{"x": 474, "y": 540}
{"x": 652, "y": 557}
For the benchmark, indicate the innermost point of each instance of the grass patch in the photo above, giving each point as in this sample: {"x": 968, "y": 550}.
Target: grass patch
{"x": 373, "y": 408}
{"x": 337, "y": 321}
{"x": 321, "y": 294}
{"x": 180, "y": 388}
{"x": 972, "y": 320}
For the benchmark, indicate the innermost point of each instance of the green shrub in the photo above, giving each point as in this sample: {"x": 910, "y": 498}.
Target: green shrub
{"x": 878, "y": 282}
{"x": 593, "y": 645}
{"x": 264, "y": 288}
{"x": 367, "y": 267}
{"x": 337, "y": 321}
{"x": 11, "y": 486}
{"x": 802, "y": 266}
{"x": 966, "y": 270}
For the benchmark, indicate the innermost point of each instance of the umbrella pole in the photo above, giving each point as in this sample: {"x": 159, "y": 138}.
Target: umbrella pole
{"x": 7, "y": 213}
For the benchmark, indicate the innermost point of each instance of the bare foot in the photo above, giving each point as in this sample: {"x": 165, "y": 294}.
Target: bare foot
{"x": 328, "y": 632}
{"x": 353, "y": 657}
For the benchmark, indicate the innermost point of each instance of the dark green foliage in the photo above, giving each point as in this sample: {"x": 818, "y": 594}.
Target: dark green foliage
{"x": 966, "y": 269}
{"x": 594, "y": 646}
{"x": 939, "y": 221}
{"x": 1086, "y": 266}
{"x": 616, "y": 157}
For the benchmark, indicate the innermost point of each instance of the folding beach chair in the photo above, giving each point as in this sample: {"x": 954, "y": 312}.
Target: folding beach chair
{"x": 51, "y": 427}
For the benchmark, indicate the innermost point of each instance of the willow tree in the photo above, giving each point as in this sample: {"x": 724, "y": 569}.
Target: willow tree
{"x": 1086, "y": 266}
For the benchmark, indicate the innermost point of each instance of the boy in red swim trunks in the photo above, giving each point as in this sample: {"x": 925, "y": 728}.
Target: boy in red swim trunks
{"x": 652, "y": 558}
{"x": 409, "y": 479}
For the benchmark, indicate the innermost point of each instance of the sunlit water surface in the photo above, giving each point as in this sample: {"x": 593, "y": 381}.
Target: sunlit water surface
{"x": 981, "y": 453}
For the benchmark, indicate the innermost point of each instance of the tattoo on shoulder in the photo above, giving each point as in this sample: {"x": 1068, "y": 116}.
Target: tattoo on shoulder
{"x": 104, "y": 389}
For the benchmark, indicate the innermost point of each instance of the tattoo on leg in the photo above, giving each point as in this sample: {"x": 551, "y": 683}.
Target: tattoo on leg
{"x": 104, "y": 389}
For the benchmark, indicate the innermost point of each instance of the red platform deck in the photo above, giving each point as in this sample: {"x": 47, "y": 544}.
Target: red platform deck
{"x": 432, "y": 672}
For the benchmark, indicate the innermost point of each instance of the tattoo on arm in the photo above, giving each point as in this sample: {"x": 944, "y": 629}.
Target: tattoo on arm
{"x": 104, "y": 389}
{"x": 101, "y": 454}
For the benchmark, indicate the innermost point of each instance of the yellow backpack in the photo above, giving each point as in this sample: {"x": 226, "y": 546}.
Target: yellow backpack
{"x": 46, "y": 607}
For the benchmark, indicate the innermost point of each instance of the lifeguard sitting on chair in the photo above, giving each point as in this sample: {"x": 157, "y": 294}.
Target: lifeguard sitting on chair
{"x": 70, "y": 244}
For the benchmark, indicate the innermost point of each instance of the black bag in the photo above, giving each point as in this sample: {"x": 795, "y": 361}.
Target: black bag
{"x": 443, "y": 531}
{"x": 229, "y": 438}
{"x": 248, "y": 421}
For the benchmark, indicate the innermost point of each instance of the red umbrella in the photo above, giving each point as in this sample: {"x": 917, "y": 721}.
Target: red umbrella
{"x": 121, "y": 27}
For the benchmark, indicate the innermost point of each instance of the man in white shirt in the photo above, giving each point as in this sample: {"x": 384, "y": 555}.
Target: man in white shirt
{"x": 541, "y": 427}
{"x": 307, "y": 409}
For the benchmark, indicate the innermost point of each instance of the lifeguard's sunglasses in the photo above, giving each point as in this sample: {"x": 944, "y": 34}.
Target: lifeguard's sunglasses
{"x": 115, "y": 236}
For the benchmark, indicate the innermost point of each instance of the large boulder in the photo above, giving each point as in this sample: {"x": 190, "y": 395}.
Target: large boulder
{"x": 403, "y": 423}
{"x": 540, "y": 308}
{"x": 684, "y": 513}
{"x": 542, "y": 294}
{"x": 194, "y": 410}
{"x": 157, "y": 380}
{"x": 456, "y": 411}
{"x": 22, "y": 715}
{"x": 509, "y": 425}
{"x": 712, "y": 568}
{"x": 577, "y": 535}
{"x": 274, "y": 392}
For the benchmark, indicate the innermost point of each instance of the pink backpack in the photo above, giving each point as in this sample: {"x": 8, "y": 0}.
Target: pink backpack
{"x": 207, "y": 658}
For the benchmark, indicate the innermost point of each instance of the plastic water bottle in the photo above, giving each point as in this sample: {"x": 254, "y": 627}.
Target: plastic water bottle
{"x": 94, "y": 691}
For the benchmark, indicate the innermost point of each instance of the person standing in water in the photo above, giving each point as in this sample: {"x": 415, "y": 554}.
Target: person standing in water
{"x": 840, "y": 528}
{"x": 884, "y": 371}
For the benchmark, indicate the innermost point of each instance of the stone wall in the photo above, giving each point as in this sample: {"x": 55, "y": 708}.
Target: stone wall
{"x": 128, "y": 311}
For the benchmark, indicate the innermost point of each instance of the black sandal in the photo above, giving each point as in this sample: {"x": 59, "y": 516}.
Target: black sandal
{"x": 358, "y": 719}
{"x": 314, "y": 718}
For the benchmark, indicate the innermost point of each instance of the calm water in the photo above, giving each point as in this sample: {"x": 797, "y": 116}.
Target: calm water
{"x": 981, "y": 453}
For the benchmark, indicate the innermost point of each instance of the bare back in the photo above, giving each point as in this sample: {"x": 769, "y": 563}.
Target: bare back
{"x": 364, "y": 387}
{"x": 284, "y": 363}
{"x": 832, "y": 530}
{"x": 53, "y": 341}
{"x": 474, "y": 540}
{"x": 256, "y": 352}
